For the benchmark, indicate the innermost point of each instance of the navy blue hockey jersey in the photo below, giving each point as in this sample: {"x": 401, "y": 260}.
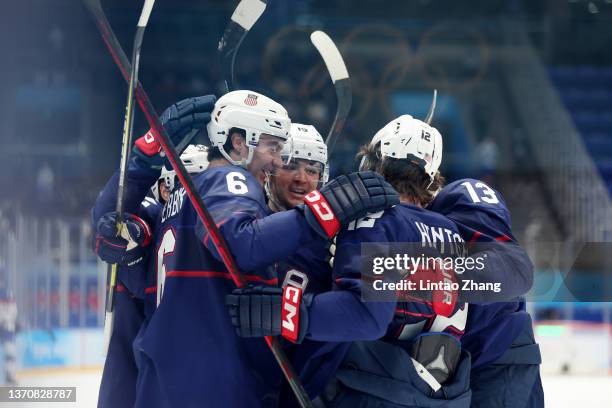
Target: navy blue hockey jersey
{"x": 190, "y": 353}
{"x": 341, "y": 315}
{"x": 118, "y": 385}
{"x": 481, "y": 215}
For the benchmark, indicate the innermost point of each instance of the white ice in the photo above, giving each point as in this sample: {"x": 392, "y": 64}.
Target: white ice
{"x": 561, "y": 391}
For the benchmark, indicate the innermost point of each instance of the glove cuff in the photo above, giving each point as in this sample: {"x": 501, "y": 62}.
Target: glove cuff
{"x": 290, "y": 324}
{"x": 294, "y": 315}
{"x": 145, "y": 229}
{"x": 147, "y": 144}
{"x": 322, "y": 212}
{"x": 147, "y": 152}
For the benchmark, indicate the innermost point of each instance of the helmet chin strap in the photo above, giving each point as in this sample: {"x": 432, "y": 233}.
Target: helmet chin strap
{"x": 273, "y": 203}
{"x": 367, "y": 164}
{"x": 363, "y": 164}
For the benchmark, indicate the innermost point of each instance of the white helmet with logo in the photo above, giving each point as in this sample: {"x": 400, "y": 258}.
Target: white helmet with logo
{"x": 411, "y": 139}
{"x": 307, "y": 143}
{"x": 252, "y": 112}
{"x": 195, "y": 159}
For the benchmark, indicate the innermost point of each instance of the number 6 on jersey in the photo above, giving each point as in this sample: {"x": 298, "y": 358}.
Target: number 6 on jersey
{"x": 165, "y": 248}
{"x": 236, "y": 183}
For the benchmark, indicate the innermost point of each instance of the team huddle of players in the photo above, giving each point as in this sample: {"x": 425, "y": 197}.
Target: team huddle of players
{"x": 184, "y": 336}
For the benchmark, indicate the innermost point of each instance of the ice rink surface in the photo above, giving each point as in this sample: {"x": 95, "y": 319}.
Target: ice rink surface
{"x": 86, "y": 381}
{"x": 565, "y": 391}
{"x": 568, "y": 391}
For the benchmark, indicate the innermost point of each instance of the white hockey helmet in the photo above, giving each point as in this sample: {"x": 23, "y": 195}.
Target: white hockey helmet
{"x": 411, "y": 139}
{"x": 195, "y": 160}
{"x": 252, "y": 112}
{"x": 307, "y": 143}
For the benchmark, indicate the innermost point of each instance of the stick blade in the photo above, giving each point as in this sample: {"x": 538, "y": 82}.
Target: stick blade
{"x": 340, "y": 78}
{"x": 248, "y": 12}
{"x": 330, "y": 54}
{"x": 244, "y": 17}
{"x": 146, "y": 13}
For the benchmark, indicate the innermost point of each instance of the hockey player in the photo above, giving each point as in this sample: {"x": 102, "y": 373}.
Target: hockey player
{"x": 120, "y": 369}
{"x": 505, "y": 358}
{"x": 286, "y": 188}
{"x": 118, "y": 386}
{"x": 407, "y": 153}
{"x": 189, "y": 353}
{"x": 195, "y": 159}
{"x": 499, "y": 335}
{"x": 308, "y": 169}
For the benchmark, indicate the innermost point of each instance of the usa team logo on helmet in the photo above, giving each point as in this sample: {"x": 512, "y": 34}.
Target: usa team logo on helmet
{"x": 251, "y": 100}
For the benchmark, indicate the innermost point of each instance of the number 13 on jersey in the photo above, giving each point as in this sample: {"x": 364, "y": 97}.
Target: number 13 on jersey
{"x": 485, "y": 193}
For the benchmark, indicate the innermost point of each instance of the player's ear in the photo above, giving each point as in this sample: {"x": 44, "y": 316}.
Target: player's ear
{"x": 238, "y": 142}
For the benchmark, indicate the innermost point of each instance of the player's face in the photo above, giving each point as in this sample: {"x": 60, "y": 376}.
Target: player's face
{"x": 266, "y": 157}
{"x": 291, "y": 182}
{"x": 164, "y": 191}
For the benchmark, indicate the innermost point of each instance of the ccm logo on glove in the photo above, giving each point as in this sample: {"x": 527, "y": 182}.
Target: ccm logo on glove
{"x": 291, "y": 312}
{"x": 148, "y": 145}
{"x": 322, "y": 211}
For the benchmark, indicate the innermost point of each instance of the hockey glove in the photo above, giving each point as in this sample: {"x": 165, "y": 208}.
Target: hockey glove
{"x": 437, "y": 357}
{"x": 345, "y": 199}
{"x": 179, "y": 120}
{"x": 268, "y": 311}
{"x": 126, "y": 248}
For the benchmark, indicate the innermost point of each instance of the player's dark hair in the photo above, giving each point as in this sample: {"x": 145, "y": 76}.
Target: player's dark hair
{"x": 214, "y": 152}
{"x": 405, "y": 176}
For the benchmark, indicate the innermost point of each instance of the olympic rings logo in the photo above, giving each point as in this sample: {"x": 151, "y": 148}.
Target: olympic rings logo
{"x": 380, "y": 59}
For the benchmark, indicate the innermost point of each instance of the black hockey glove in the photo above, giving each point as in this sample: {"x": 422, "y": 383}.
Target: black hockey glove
{"x": 126, "y": 248}
{"x": 179, "y": 120}
{"x": 346, "y": 198}
{"x": 268, "y": 311}
{"x": 438, "y": 355}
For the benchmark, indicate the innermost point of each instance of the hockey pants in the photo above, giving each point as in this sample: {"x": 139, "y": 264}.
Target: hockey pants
{"x": 379, "y": 374}
{"x": 513, "y": 380}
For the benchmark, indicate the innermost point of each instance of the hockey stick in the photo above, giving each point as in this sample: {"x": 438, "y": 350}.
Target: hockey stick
{"x": 128, "y": 126}
{"x": 164, "y": 140}
{"x": 342, "y": 84}
{"x": 432, "y": 108}
{"x": 244, "y": 17}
